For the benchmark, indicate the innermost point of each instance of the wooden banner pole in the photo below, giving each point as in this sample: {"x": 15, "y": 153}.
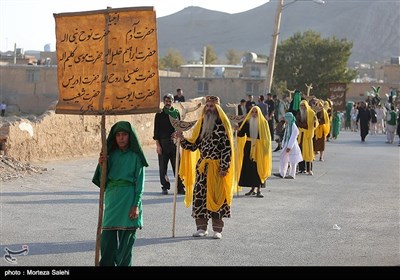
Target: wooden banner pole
{"x": 102, "y": 187}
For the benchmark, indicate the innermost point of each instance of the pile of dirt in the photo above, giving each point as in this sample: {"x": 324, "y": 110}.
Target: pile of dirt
{"x": 12, "y": 169}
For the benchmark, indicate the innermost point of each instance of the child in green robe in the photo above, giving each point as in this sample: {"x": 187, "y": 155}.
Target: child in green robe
{"x": 122, "y": 195}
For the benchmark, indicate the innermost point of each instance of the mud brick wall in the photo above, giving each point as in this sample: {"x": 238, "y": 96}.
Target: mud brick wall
{"x": 57, "y": 136}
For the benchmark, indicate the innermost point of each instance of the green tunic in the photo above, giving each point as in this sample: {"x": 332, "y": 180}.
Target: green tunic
{"x": 124, "y": 189}
{"x": 335, "y": 125}
{"x": 125, "y": 180}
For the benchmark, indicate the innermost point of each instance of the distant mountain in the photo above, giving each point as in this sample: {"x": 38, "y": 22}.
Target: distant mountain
{"x": 372, "y": 25}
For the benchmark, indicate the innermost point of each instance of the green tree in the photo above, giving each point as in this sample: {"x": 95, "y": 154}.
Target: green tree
{"x": 233, "y": 57}
{"x": 280, "y": 88}
{"x": 307, "y": 58}
{"x": 171, "y": 61}
{"x": 211, "y": 56}
{"x": 262, "y": 56}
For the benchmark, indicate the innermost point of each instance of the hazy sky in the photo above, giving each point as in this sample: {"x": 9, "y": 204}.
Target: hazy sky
{"x": 30, "y": 23}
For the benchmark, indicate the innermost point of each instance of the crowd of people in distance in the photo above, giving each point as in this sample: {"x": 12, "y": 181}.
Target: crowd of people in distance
{"x": 219, "y": 155}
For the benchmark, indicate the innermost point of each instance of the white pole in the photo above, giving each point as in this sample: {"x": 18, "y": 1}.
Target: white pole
{"x": 274, "y": 45}
{"x": 15, "y": 53}
{"x": 204, "y": 61}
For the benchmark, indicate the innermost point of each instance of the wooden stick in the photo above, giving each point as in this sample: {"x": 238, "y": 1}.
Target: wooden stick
{"x": 236, "y": 162}
{"x": 178, "y": 144}
{"x": 103, "y": 148}
{"x": 178, "y": 126}
{"x": 309, "y": 88}
{"x": 102, "y": 187}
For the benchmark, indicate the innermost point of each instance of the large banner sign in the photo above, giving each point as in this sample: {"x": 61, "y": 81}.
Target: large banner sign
{"x": 337, "y": 93}
{"x": 107, "y": 62}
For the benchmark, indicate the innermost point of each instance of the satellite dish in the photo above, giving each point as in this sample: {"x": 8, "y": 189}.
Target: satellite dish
{"x": 219, "y": 71}
{"x": 47, "y": 48}
{"x": 249, "y": 57}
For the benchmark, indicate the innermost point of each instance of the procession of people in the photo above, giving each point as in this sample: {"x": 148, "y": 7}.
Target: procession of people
{"x": 222, "y": 154}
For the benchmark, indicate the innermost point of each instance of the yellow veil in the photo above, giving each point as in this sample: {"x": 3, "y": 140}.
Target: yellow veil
{"x": 261, "y": 150}
{"x": 219, "y": 189}
{"x": 323, "y": 129}
{"x": 312, "y": 122}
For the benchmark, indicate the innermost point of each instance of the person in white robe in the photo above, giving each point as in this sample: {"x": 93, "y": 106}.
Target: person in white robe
{"x": 291, "y": 153}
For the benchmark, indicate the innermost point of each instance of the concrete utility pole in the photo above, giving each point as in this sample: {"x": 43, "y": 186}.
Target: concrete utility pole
{"x": 274, "y": 45}
{"x": 272, "y": 53}
{"x": 204, "y": 61}
{"x": 15, "y": 53}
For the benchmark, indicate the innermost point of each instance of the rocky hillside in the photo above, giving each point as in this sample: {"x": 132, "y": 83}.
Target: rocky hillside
{"x": 372, "y": 25}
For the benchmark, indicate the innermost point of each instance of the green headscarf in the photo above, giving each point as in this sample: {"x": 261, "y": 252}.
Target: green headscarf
{"x": 296, "y": 100}
{"x": 349, "y": 106}
{"x": 134, "y": 145}
{"x": 171, "y": 111}
{"x": 290, "y": 120}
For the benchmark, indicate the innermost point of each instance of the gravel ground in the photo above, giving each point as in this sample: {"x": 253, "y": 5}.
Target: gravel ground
{"x": 11, "y": 168}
